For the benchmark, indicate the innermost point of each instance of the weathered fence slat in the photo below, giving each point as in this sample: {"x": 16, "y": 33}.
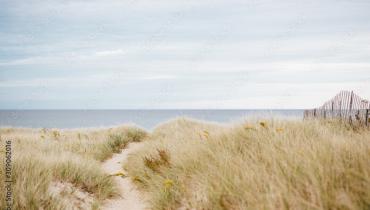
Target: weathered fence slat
{"x": 345, "y": 106}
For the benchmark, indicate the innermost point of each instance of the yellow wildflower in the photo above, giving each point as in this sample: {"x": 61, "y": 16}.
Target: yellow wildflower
{"x": 121, "y": 174}
{"x": 137, "y": 179}
{"x": 206, "y": 134}
{"x": 279, "y": 129}
{"x": 168, "y": 183}
{"x": 248, "y": 127}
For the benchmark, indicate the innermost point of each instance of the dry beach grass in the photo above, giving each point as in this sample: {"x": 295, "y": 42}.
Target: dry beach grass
{"x": 272, "y": 164}
{"x": 189, "y": 164}
{"x": 55, "y": 169}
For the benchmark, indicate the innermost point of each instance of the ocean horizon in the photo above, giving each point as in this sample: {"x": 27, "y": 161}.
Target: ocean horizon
{"x": 145, "y": 118}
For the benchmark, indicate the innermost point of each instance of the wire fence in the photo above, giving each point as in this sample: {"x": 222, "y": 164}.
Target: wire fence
{"x": 345, "y": 106}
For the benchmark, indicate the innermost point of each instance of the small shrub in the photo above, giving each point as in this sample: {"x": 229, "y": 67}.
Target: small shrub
{"x": 152, "y": 163}
{"x": 135, "y": 135}
{"x": 116, "y": 142}
{"x": 164, "y": 156}
{"x": 263, "y": 124}
{"x": 56, "y": 134}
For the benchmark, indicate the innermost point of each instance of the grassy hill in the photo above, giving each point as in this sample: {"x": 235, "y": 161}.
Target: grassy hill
{"x": 189, "y": 164}
{"x": 275, "y": 164}
{"x": 53, "y": 169}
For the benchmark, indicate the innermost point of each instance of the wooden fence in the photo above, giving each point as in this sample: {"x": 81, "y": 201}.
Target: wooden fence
{"x": 345, "y": 106}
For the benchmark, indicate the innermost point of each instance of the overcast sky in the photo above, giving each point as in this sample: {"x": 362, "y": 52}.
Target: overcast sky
{"x": 181, "y": 54}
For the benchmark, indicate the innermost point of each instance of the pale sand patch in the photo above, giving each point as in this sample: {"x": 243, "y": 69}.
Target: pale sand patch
{"x": 71, "y": 196}
{"x": 130, "y": 198}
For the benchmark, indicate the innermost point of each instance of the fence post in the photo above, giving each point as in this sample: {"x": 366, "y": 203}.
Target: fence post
{"x": 350, "y": 108}
{"x": 332, "y": 109}
{"x": 367, "y": 117}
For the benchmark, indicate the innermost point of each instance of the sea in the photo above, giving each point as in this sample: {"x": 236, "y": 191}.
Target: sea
{"x": 147, "y": 119}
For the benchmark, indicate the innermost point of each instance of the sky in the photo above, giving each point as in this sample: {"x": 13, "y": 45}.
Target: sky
{"x": 172, "y": 54}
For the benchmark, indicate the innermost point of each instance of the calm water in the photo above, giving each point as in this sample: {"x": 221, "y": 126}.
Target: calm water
{"x": 144, "y": 118}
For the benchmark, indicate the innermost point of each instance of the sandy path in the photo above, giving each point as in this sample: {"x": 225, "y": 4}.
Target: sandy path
{"x": 130, "y": 198}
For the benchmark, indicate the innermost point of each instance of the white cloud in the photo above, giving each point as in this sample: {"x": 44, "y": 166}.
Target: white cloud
{"x": 110, "y": 52}
{"x": 91, "y": 81}
{"x": 185, "y": 54}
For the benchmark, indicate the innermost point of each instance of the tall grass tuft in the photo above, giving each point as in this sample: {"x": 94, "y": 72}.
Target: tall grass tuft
{"x": 43, "y": 157}
{"x": 268, "y": 164}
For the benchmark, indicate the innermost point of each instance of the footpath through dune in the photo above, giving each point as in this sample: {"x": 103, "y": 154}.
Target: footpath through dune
{"x": 130, "y": 198}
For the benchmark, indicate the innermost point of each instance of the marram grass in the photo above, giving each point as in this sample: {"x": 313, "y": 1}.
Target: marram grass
{"x": 254, "y": 165}
{"x": 42, "y": 156}
{"x": 187, "y": 164}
